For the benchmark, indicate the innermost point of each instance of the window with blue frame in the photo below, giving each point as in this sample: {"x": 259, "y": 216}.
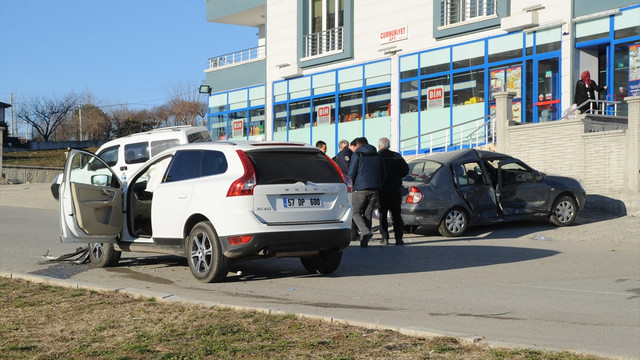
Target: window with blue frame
{"x": 453, "y": 85}
{"x": 333, "y": 105}
{"x": 238, "y": 114}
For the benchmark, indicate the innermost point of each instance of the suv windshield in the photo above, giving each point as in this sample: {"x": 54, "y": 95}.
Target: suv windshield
{"x": 288, "y": 167}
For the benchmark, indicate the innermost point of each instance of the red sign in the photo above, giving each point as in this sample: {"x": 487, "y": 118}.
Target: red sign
{"x": 324, "y": 114}
{"x": 237, "y": 127}
{"x": 435, "y": 97}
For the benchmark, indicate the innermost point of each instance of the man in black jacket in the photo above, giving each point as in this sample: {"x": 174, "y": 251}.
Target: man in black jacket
{"x": 390, "y": 197}
{"x": 366, "y": 170}
{"x": 344, "y": 155}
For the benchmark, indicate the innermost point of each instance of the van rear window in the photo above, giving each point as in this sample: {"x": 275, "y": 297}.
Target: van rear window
{"x": 288, "y": 167}
{"x": 199, "y": 136}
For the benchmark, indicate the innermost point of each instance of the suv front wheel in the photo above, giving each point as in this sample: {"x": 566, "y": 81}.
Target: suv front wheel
{"x": 204, "y": 254}
{"x": 324, "y": 263}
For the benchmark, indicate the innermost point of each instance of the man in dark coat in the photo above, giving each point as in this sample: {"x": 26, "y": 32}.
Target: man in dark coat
{"x": 366, "y": 170}
{"x": 344, "y": 155}
{"x": 390, "y": 195}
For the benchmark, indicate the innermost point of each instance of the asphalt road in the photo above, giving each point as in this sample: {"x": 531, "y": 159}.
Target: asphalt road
{"x": 524, "y": 284}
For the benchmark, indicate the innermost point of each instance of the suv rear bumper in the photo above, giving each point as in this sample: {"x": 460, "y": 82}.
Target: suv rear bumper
{"x": 288, "y": 244}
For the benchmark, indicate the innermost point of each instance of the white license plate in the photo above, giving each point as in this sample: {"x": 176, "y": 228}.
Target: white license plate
{"x": 302, "y": 202}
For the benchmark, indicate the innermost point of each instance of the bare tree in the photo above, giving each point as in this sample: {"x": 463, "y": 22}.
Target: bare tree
{"x": 45, "y": 115}
{"x": 91, "y": 121}
{"x": 186, "y": 104}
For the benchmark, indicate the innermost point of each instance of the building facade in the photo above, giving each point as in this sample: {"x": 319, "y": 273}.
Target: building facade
{"x": 338, "y": 69}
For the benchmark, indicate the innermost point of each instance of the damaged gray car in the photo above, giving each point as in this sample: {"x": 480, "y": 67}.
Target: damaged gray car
{"x": 458, "y": 189}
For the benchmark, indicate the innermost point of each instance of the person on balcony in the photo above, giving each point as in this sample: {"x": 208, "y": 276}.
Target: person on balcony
{"x": 585, "y": 90}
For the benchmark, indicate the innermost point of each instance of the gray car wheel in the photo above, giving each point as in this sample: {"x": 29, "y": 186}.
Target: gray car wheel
{"x": 324, "y": 263}
{"x": 454, "y": 223}
{"x": 204, "y": 254}
{"x": 565, "y": 211}
{"x": 104, "y": 254}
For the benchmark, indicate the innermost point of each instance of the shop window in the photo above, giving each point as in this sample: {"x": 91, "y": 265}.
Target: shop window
{"x": 592, "y": 29}
{"x": 218, "y": 126}
{"x": 280, "y": 91}
{"x": 434, "y": 93}
{"x": 350, "y": 78}
{"x": 528, "y": 43}
{"x": 377, "y": 73}
{"x": 300, "y": 87}
{"x": 435, "y": 61}
{"x": 280, "y": 118}
{"x": 505, "y": 47}
{"x": 408, "y": 66}
{"x": 350, "y": 106}
{"x": 468, "y": 55}
{"x": 468, "y": 87}
{"x": 548, "y": 40}
{"x": 238, "y": 99}
{"x": 238, "y": 125}
{"x": 257, "y": 119}
{"x": 548, "y": 102}
{"x": 627, "y": 24}
{"x": 378, "y": 102}
{"x": 257, "y": 96}
{"x": 218, "y": 103}
{"x": 409, "y": 97}
{"x": 324, "y": 83}
{"x": 300, "y": 117}
{"x": 324, "y": 111}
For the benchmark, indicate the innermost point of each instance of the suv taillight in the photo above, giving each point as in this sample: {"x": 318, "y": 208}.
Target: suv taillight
{"x": 415, "y": 195}
{"x": 244, "y": 185}
{"x": 345, "y": 178}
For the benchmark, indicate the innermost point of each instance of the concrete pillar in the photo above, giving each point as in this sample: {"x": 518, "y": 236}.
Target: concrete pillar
{"x": 504, "y": 117}
{"x": 633, "y": 155}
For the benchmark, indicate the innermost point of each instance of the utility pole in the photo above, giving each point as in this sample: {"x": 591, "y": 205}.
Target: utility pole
{"x": 13, "y": 123}
{"x": 80, "y": 120}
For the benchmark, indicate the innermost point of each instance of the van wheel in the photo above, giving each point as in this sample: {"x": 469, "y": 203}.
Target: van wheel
{"x": 204, "y": 254}
{"x": 454, "y": 223}
{"x": 324, "y": 263}
{"x": 564, "y": 210}
{"x": 104, "y": 255}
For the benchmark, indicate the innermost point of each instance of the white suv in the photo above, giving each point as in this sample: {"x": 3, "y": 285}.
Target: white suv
{"x": 214, "y": 203}
{"x": 125, "y": 155}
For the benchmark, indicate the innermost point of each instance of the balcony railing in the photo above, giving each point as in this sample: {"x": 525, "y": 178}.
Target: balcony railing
{"x": 459, "y": 11}
{"x": 324, "y": 42}
{"x": 238, "y": 57}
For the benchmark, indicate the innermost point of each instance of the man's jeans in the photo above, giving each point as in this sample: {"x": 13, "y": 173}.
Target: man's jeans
{"x": 363, "y": 202}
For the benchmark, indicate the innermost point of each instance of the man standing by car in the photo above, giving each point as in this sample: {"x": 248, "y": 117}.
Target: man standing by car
{"x": 366, "y": 170}
{"x": 344, "y": 155}
{"x": 390, "y": 196}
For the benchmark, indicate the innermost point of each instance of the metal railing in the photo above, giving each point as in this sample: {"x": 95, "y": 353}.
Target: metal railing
{"x": 238, "y": 57}
{"x": 469, "y": 134}
{"x": 597, "y": 107}
{"x": 324, "y": 42}
{"x": 457, "y": 11}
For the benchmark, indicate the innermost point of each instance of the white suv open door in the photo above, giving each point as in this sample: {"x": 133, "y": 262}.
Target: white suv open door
{"x": 90, "y": 200}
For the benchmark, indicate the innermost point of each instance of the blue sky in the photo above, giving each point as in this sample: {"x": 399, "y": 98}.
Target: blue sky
{"x": 121, "y": 51}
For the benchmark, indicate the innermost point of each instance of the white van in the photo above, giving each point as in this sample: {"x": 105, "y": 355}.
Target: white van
{"x": 125, "y": 155}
